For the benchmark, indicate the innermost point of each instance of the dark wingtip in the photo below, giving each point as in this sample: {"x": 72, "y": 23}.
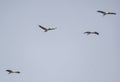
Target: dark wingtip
{"x": 97, "y": 33}
{"x": 98, "y": 11}
{"x": 7, "y": 70}
{"x": 18, "y": 72}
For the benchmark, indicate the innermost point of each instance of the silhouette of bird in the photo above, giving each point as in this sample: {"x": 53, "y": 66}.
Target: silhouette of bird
{"x": 46, "y": 29}
{"x": 11, "y": 71}
{"x": 91, "y": 33}
{"x": 105, "y": 13}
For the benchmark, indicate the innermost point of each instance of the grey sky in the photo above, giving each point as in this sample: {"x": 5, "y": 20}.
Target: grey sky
{"x": 65, "y": 54}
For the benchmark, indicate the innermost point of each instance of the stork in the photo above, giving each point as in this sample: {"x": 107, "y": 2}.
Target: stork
{"x": 88, "y": 33}
{"x": 11, "y": 71}
{"x": 46, "y": 29}
{"x": 106, "y": 13}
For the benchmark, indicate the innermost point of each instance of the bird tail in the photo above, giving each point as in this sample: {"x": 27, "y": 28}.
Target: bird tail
{"x": 45, "y": 30}
{"x": 104, "y": 14}
{"x": 9, "y": 73}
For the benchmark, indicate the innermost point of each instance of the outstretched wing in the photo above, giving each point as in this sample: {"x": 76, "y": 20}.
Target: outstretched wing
{"x": 101, "y": 12}
{"x": 112, "y": 13}
{"x": 96, "y": 33}
{"x": 87, "y": 32}
{"x": 17, "y": 71}
{"x": 45, "y": 29}
{"x": 10, "y": 71}
{"x": 51, "y": 28}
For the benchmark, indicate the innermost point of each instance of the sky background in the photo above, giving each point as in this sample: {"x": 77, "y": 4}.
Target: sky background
{"x": 65, "y": 54}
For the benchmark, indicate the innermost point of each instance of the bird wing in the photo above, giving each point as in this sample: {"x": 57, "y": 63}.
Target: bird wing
{"x": 17, "y": 71}
{"x": 87, "y": 32}
{"x": 112, "y": 13}
{"x": 96, "y": 33}
{"x": 51, "y": 28}
{"x": 9, "y": 70}
{"x": 101, "y": 12}
{"x": 42, "y": 27}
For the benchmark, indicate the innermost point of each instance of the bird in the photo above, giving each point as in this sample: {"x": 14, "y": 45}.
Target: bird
{"x": 46, "y": 29}
{"x": 11, "y": 71}
{"x": 88, "y": 32}
{"x": 106, "y": 13}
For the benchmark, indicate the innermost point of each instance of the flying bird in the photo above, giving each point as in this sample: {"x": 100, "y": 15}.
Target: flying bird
{"x": 105, "y": 13}
{"x": 91, "y": 33}
{"x": 46, "y": 29}
{"x": 11, "y": 71}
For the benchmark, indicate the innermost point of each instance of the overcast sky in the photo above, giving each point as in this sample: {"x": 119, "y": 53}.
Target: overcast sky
{"x": 64, "y": 54}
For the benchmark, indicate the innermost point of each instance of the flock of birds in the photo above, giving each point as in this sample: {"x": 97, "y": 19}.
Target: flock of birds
{"x": 48, "y": 29}
{"x": 88, "y": 32}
